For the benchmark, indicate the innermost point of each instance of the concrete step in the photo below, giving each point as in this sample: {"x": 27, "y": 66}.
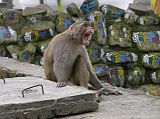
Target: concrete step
{"x": 35, "y": 105}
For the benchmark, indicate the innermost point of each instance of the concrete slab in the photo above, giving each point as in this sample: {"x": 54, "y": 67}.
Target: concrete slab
{"x": 22, "y": 67}
{"x": 130, "y": 105}
{"x": 35, "y": 105}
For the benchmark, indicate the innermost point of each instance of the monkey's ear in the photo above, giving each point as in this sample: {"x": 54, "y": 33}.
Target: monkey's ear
{"x": 71, "y": 28}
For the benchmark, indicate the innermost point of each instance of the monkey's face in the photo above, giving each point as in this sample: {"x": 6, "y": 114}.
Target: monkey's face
{"x": 88, "y": 31}
{"x": 81, "y": 32}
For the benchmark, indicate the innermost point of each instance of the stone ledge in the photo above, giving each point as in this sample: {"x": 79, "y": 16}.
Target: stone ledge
{"x": 24, "y": 68}
{"x": 35, "y": 105}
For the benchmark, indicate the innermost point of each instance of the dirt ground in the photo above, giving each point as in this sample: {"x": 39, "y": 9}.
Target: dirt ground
{"x": 130, "y": 105}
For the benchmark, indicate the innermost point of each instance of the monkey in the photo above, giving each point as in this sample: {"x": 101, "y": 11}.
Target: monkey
{"x": 66, "y": 58}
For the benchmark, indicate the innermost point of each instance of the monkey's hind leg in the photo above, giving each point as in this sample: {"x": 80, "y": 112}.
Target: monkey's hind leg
{"x": 48, "y": 67}
{"x": 80, "y": 74}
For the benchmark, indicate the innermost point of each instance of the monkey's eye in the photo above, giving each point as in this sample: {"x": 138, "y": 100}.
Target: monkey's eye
{"x": 85, "y": 25}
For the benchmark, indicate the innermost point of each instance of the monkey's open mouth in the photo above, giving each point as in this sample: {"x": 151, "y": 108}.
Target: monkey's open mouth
{"x": 87, "y": 36}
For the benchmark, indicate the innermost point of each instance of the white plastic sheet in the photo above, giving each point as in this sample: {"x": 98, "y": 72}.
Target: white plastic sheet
{"x": 21, "y": 4}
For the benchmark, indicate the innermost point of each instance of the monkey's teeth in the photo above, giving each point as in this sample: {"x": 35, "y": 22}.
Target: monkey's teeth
{"x": 92, "y": 31}
{"x": 89, "y": 37}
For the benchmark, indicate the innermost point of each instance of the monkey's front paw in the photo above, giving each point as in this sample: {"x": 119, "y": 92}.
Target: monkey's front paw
{"x": 61, "y": 84}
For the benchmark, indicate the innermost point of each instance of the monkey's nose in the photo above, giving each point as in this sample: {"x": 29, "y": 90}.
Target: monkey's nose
{"x": 91, "y": 30}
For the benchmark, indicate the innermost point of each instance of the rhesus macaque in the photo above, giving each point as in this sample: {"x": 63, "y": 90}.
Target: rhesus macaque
{"x": 66, "y": 58}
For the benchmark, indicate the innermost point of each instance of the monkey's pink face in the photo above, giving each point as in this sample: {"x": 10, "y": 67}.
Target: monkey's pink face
{"x": 87, "y": 35}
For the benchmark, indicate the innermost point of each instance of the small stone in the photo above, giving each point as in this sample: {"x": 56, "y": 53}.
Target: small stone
{"x": 154, "y": 76}
{"x": 33, "y": 10}
{"x": 140, "y": 9}
{"x": 7, "y": 35}
{"x": 3, "y": 51}
{"x": 99, "y": 25}
{"x": 73, "y": 10}
{"x": 21, "y": 53}
{"x": 47, "y": 8}
{"x": 38, "y": 32}
{"x": 119, "y": 35}
{"x": 151, "y": 89}
{"x": 148, "y": 20}
{"x": 147, "y": 41}
{"x": 62, "y": 21}
{"x": 151, "y": 60}
{"x": 116, "y": 76}
{"x": 4, "y": 72}
{"x": 89, "y": 6}
{"x": 120, "y": 57}
{"x": 100, "y": 69}
{"x": 95, "y": 54}
{"x": 136, "y": 76}
{"x": 111, "y": 12}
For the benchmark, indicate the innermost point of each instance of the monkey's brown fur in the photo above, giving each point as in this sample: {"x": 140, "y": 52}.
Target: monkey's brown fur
{"x": 66, "y": 58}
